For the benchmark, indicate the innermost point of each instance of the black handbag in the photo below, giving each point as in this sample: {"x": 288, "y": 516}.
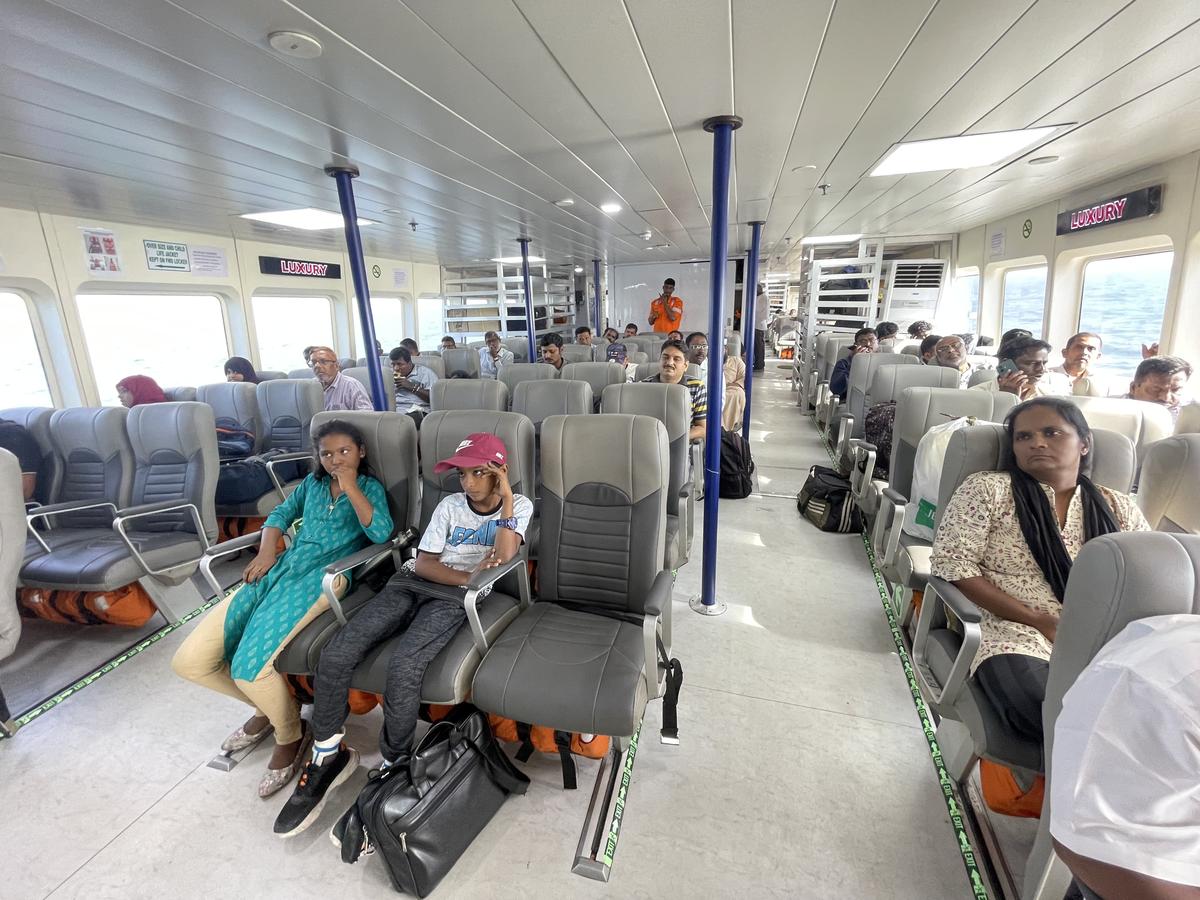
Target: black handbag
{"x": 826, "y": 501}
{"x": 421, "y": 817}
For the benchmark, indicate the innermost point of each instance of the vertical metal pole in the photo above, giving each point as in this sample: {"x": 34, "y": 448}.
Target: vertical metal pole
{"x": 596, "y": 284}
{"x": 527, "y": 284}
{"x": 721, "y": 128}
{"x": 344, "y": 175}
{"x": 750, "y": 279}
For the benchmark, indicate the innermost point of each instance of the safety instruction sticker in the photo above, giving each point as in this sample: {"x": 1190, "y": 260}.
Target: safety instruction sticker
{"x": 210, "y": 261}
{"x": 100, "y": 247}
{"x": 167, "y": 256}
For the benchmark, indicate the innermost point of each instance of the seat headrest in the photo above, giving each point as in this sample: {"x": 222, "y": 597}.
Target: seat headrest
{"x": 1169, "y": 490}
{"x": 441, "y": 433}
{"x": 889, "y": 381}
{"x": 1189, "y": 419}
{"x": 920, "y": 408}
{"x": 1141, "y": 422}
{"x": 578, "y": 450}
{"x": 552, "y": 397}
{"x": 671, "y": 404}
{"x": 597, "y": 374}
{"x": 468, "y": 393}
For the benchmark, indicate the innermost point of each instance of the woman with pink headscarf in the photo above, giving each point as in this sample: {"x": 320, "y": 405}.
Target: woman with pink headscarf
{"x": 134, "y": 390}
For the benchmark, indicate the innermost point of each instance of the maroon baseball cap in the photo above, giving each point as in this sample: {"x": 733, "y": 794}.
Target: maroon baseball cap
{"x": 477, "y": 449}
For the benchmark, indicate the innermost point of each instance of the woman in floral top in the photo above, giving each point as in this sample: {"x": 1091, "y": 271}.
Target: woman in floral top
{"x": 1007, "y": 540}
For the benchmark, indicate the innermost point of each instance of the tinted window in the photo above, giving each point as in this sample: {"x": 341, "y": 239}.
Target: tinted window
{"x": 286, "y": 325}
{"x": 1124, "y": 300}
{"x": 1025, "y": 299}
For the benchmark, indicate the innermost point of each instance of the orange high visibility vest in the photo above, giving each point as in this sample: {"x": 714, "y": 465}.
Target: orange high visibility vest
{"x": 668, "y": 316}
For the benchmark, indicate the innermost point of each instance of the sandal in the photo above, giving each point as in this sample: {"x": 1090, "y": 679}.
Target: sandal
{"x": 240, "y": 740}
{"x": 275, "y": 779}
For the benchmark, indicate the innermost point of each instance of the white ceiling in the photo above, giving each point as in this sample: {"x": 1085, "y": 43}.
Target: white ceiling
{"x": 471, "y": 117}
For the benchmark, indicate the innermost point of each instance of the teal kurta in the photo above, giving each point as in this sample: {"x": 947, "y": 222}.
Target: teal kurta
{"x": 262, "y": 614}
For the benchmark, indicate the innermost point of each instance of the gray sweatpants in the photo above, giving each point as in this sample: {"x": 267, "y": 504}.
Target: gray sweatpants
{"x": 427, "y": 623}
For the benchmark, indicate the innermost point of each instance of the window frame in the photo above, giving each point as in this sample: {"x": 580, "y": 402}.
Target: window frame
{"x": 407, "y": 314}
{"x": 332, "y": 299}
{"x": 40, "y": 341}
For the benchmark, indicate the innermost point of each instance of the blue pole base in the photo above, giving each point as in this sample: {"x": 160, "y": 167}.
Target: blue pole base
{"x": 712, "y": 609}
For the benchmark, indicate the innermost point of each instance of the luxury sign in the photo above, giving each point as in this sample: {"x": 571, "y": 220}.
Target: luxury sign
{"x": 275, "y": 265}
{"x": 1134, "y": 205}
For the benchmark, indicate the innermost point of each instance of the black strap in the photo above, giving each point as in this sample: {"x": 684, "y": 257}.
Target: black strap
{"x": 562, "y": 740}
{"x": 525, "y": 736}
{"x": 670, "y": 726}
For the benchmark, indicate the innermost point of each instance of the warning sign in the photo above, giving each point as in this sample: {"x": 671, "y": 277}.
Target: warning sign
{"x": 166, "y": 256}
{"x": 100, "y": 247}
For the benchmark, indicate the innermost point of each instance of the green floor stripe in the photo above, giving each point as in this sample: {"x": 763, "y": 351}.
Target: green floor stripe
{"x": 614, "y": 828}
{"x": 47, "y": 705}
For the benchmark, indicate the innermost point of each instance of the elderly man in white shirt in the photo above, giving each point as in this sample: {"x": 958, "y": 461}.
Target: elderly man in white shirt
{"x": 493, "y": 355}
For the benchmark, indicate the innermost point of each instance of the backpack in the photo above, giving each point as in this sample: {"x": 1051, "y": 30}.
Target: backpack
{"x": 737, "y": 467}
{"x": 233, "y": 441}
{"x": 243, "y": 481}
{"x": 825, "y": 500}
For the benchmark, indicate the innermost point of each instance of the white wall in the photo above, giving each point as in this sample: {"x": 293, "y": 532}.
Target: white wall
{"x": 633, "y": 287}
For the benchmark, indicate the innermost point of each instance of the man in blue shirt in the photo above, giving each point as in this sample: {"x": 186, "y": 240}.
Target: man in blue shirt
{"x": 865, "y": 341}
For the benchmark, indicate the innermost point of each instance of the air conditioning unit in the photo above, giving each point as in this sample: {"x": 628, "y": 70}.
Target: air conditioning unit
{"x": 914, "y": 288}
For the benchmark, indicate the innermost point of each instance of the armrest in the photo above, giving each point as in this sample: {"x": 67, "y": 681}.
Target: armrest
{"x": 279, "y": 459}
{"x": 53, "y": 509}
{"x": 225, "y": 548}
{"x": 891, "y": 519}
{"x": 947, "y": 597}
{"x": 480, "y": 586}
{"x": 845, "y": 428}
{"x": 658, "y": 600}
{"x": 368, "y": 555}
{"x": 657, "y": 604}
{"x": 862, "y": 468}
{"x": 149, "y": 509}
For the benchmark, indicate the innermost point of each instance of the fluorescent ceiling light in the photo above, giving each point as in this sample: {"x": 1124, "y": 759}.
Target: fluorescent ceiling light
{"x": 963, "y": 152}
{"x": 831, "y": 239}
{"x": 515, "y": 259}
{"x": 610, "y": 208}
{"x": 578, "y": 269}
{"x": 307, "y": 219}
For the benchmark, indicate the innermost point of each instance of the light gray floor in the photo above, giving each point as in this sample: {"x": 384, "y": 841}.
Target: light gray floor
{"x": 801, "y": 773}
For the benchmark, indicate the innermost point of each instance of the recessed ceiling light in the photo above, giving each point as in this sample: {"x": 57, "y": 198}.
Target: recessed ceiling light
{"x": 393, "y": 212}
{"x": 578, "y": 269}
{"x": 516, "y": 259}
{"x": 564, "y": 202}
{"x": 1043, "y": 160}
{"x": 831, "y": 239}
{"x": 610, "y": 208}
{"x": 295, "y": 44}
{"x": 307, "y": 219}
{"x": 962, "y": 152}
{"x": 804, "y": 168}
{"x": 646, "y": 235}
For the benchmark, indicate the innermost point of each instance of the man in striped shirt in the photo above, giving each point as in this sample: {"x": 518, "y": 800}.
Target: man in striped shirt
{"x": 674, "y": 363}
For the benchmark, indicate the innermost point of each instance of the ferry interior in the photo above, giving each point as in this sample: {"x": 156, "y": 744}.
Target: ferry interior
{"x": 186, "y": 181}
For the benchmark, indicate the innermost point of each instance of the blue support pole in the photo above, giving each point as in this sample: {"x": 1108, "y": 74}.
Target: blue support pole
{"x": 721, "y": 128}
{"x": 344, "y": 175}
{"x": 596, "y": 284}
{"x": 749, "y": 311}
{"x": 527, "y": 284}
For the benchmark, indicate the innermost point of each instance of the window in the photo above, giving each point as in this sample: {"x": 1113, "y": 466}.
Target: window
{"x": 429, "y": 318}
{"x": 176, "y": 339}
{"x": 23, "y": 379}
{"x": 1124, "y": 300}
{"x": 1025, "y": 299}
{"x": 388, "y": 315}
{"x": 286, "y": 325}
{"x": 966, "y": 287}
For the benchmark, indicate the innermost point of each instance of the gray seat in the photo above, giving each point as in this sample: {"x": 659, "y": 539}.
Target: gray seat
{"x": 180, "y": 394}
{"x": 649, "y": 369}
{"x": 1169, "y": 488}
{"x": 97, "y": 463}
{"x": 943, "y": 650}
{"x": 36, "y": 420}
{"x": 431, "y": 361}
{"x": 362, "y": 375}
{"x": 671, "y": 404}
{"x": 1188, "y": 421}
{"x": 295, "y": 373}
{"x": 468, "y": 393}
{"x": 981, "y": 376}
{"x": 287, "y": 407}
{"x": 573, "y": 353}
{"x": 1117, "y": 579}
{"x": 598, "y": 375}
{"x": 276, "y": 374}
{"x": 12, "y": 548}
{"x": 1141, "y": 422}
{"x": 236, "y": 400}
{"x": 911, "y": 350}
{"x": 854, "y": 411}
{"x": 582, "y": 658}
{"x": 159, "y": 540}
{"x": 514, "y": 373}
{"x": 346, "y": 362}
{"x": 538, "y": 400}
{"x": 461, "y": 362}
{"x": 519, "y": 347}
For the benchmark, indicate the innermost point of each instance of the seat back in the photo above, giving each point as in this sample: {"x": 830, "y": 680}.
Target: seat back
{"x": 287, "y": 407}
{"x": 12, "y": 550}
{"x": 442, "y": 432}
{"x": 862, "y": 372}
{"x": 604, "y": 509}
{"x": 514, "y": 373}
{"x": 671, "y": 404}
{"x": 637, "y": 357}
{"x": 820, "y": 346}
{"x": 275, "y": 374}
{"x": 982, "y": 448}
{"x": 519, "y": 347}
{"x": 573, "y": 353}
{"x": 889, "y": 381}
{"x": 346, "y": 362}
{"x": 468, "y": 393}
{"x": 391, "y": 440}
{"x": 362, "y": 375}
{"x": 297, "y": 373}
{"x": 175, "y": 458}
{"x": 92, "y": 444}
{"x": 979, "y": 376}
{"x": 1187, "y": 423}
{"x": 237, "y": 400}
{"x": 1169, "y": 489}
{"x": 733, "y": 342}
{"x": 36, "y": 420}
{"x": 911, "y": 350}
{"x": 1141, "y": 422}
{"x": 433, "y": 362}
{"x": 835, "y": 348}
{"x": 461, "y": 362}
{"x": 179, "y": 394}
{"x": 598, "y": 375}
{"x": 920, "y": 408}
{"x": 538, "y": 400}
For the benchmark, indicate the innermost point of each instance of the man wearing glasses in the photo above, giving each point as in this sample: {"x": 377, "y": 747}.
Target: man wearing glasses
{"x": 341, "y": 392}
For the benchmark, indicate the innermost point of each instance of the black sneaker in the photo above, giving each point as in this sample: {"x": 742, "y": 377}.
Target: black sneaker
{"x": 304, "y": 806}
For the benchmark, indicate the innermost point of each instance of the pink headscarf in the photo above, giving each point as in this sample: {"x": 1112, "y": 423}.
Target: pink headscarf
{"x": 143, "y": 388}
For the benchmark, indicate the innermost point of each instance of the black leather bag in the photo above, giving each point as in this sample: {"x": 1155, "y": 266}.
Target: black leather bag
{"x": 421, "y": 818}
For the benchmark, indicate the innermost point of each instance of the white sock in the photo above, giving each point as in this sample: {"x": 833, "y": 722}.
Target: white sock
{"x": 324, "y": 751}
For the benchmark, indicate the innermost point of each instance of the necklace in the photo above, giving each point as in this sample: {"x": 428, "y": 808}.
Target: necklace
{"x": 333, "y": 502}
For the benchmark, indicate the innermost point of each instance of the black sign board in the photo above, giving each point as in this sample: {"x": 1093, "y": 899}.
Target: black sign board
{"x": 1134, "y": 205}
{"x": 276, "y": 265}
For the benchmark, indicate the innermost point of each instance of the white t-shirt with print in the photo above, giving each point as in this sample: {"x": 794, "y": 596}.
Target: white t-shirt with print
{"x": 464, "y": 537}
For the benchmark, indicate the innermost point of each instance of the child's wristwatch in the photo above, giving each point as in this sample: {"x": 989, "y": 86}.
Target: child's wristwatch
{"x": 510, "y": 524}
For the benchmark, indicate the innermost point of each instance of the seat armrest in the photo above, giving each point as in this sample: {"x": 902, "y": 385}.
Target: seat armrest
{"x": 845, "y": 428}
{"x": 225, "y": 548}
{"x": 657, "y": 604}
{"x": 891, "y": 521}
{"x": 658, "y": 599}
{"x": 480, "y": 586}
{"x": 53, "y": 509}
{"x": 150, "y": 509}
{"x": 940, "y": 596}
{"x": 369, "y": 555}
{"x": 862, "y": 468}
{"x": 293, "y": 456}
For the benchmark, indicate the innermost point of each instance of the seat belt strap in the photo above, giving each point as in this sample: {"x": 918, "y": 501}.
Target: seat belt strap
{"x": 525, "y": 736}
{"x": 670, "y": 727}
{"x": 562, "y": 740}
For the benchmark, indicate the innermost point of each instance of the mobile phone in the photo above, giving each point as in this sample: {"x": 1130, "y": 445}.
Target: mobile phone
{"x": 1006, "y": 366}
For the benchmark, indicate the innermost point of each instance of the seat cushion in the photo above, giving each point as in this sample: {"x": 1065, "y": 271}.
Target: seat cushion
{"x": 595, "y": 665}
{"x": 103, "y": 562}
{"x": 61, "y": 537}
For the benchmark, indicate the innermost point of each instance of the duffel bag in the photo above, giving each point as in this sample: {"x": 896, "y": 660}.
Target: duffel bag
{"x": 826, "y": 501}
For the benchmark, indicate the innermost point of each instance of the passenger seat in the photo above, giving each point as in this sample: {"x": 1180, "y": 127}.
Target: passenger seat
{"x": 431, "y": 361}
{"x": 462, "y": 362}
{"x": 598, "y": 375}
{"x": 573, "y": 353}
{"x": 36, "y": 420}
{"x": 1169, "y": 490}
{"x": 180, "y": 394}
{"x": 236, "y": 400}
{"x": 468, "y": 393}
{"x": 853, "y": 413}
{"x": 538, "y": 400}
{"x": 519, "y": 347}
{"x": 514, "y": 373}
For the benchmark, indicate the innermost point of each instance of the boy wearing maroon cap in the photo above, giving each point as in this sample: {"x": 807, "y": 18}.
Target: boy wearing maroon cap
{"x": 480, "y": 528}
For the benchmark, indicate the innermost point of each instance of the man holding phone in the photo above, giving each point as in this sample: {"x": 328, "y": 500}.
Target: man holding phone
{"x": 1024, "y": 371}
{"x": 413, "y": 383}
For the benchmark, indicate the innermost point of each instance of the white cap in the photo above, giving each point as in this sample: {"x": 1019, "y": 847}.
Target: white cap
{"x": 1125, "y": 772}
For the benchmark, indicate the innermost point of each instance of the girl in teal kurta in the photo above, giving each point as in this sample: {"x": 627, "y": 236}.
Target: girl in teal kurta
{"x": 233, "y": 649}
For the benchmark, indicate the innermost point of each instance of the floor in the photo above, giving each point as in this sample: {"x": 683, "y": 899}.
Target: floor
{"x": 801, "y": 772}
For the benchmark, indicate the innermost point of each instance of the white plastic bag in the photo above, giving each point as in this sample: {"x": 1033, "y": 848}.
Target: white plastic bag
{"x": 927, "y": 477}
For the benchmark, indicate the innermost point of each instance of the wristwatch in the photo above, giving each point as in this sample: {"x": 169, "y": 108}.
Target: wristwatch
{"x": 510, "y": 524}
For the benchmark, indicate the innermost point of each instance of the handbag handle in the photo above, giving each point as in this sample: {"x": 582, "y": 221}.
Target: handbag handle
{"x": 504, "y": 773}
